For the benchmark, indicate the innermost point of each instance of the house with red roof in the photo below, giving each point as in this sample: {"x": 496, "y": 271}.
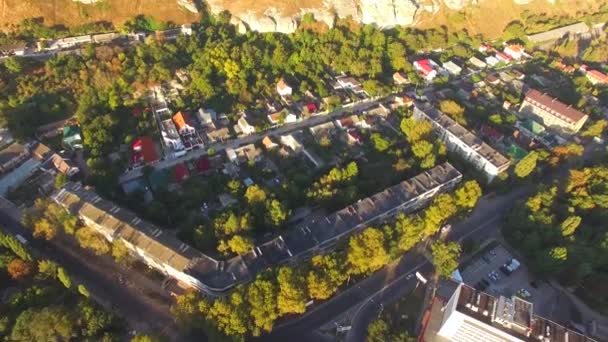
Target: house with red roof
{"x": 503, "y": 57}
{"x": 426, "y": 68}
{"x": 515, "y": 51}
{"x": 597, "y": 77}
{"x": 144, "y": 151}
{"x": 183, "y": 123}
{"x": 354, "y": 137}
{"x": 552, "y": 113}
{"x": 181, "y": 172}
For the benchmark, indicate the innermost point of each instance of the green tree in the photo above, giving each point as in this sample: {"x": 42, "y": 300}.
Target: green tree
{"x": 237, "y": 244}
{"x": 596, "y": 129}
{"x": 64, "y": 278}
{"x": 255, "y": 195}
{"x": 327, "y": 273}
{"x": 262, "y": 298}
{"x": 45, "y": 324}
{"x": 421, "y": 149}
{"x": 559, "y": 253}
{"x": 367, "y": 252}
{"x": 44, "y": 229}
{"x": 570, "y": 224}
{"x": 292, "y": 295}
{"x": 409, "y": 230}
{"x": 48, "y": 269}
{"x": 120, "y": 253}
{"x": 380, "y": 144}
{"x": 415, "y": 130}
{"x": 83, "y": 291}
{"x": 526, "y": 165}
{"x": 445, "y": 257}
{"x": 145, "y": 338}
{"x": 90, "y": 239}
{"x": 454, "y": 110}
{"x": 467, "y": 195}
{"x": 276, "y": 212}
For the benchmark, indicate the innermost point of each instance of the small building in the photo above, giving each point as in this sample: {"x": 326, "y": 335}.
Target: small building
{"x": 492, "y": 61}
{"x": 324, "y": 130}
{"x": 72, "y": 138}
{"x": 283, "y": 88}
{"x": 348, "y": 82}
{"x": 63, "y": 165}
{"x": 231, "y": 155}
{"x": 245, "y": 127}
{"x": 476, "y": 62}
{"x": 452, "y": 68}
{"x": 170, "y": 135}
{"x": 485, "y": 48}
{"x": 503, "y": 57}
{"x": 206, "y": 116}
{"x": 354, "y": 137}
{"x": 404, "y": 101}
{"x": 181, "y": 172}
{"x": 400, "y": 78}
{"x": 41, "y": 152}
{"x": 268, "y": 143}
{"x": 596, "y": 77}
{"x": 14, "y": 49}
{"x": 426, "y": 68}
{"x": 492, "y": 79}
{"x": 144, "y": 151}
{"x": 220, "y": 134}
{"x": 291, "y": 142}
{"x": 183, "y": 123}
{"x": 515, "y": 51}
{"x": 226, "y": 200}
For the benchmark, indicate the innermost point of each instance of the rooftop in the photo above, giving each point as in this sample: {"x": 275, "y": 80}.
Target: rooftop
{"x": 471, "y": 140}
{"x": 554, "y": 106}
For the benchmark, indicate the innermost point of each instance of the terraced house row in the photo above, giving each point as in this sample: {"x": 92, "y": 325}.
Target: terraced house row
{"x": 178, "y": 260}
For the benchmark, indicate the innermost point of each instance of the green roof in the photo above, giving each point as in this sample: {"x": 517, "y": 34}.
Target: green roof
{"x": 516, "y": 152}
{"x": 70, "y": 131}
{"x": 534, "y": 126}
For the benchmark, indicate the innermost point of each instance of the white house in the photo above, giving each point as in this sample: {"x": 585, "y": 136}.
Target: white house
{"x": 206, "y": 116}
{"x": 515, "y": 51}
{"x": 492, "y": 61}
{"x": 245, "y": 127}
{"x": 283, "y": 88}
{"x": 452, "y": 68}
{"x": 476, "y": 62}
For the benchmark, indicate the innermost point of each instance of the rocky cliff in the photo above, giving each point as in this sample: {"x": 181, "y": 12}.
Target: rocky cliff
{"x": 284, "y": 15}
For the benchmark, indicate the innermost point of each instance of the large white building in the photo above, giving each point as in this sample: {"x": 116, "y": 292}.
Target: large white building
{"x": 460, "y": 313}
{"x": 552, "y": 113}
{"x": 177, "y": 260}
{"x": 463, "y": 142}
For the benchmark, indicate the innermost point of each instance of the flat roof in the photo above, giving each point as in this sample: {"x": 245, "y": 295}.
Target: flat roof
{"x": 470, "y": 139}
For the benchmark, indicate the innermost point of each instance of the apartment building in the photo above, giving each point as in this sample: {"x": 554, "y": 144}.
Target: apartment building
{"x": 552, "y": 113}
{"x": 176, "y": 259}
{"x": 460, "y": 313}
{"x": 463, "y": 142}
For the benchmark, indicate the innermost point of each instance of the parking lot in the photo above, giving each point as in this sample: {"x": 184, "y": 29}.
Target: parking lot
{"x": 548, "y": 302}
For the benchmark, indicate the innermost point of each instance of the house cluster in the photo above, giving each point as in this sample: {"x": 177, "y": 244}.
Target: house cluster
{"x": 19, "y": 162}
{"x": 192, "y": 268}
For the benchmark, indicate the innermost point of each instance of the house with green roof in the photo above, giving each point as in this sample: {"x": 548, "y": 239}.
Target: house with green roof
{"x": 72, "y": 138}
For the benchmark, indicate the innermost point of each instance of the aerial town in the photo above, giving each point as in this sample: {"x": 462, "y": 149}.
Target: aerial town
{"x": 190, "y": 182}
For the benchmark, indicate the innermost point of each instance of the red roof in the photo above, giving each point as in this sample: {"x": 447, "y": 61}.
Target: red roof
{"x": 346, "y": 122}
{"x": 425, "y": 66}
{"x": 503, "y": 56}
{"x": 491, "y": 132}
{"x": 312, "y": 107}
{"x": 355, "y": 135}
{"x": 137, "y": 111}
{"x": 203, "y": 165}
{"x": 144, "y": 150}
{"x": 597, "y": 75}
{"x": 181, "y": 172}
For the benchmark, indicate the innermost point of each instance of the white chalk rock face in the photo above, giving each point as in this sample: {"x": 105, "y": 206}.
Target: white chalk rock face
{"x": 386, "y": 13}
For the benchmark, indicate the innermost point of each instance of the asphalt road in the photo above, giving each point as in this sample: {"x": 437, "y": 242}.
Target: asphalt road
{"x": 142, "y": 313}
